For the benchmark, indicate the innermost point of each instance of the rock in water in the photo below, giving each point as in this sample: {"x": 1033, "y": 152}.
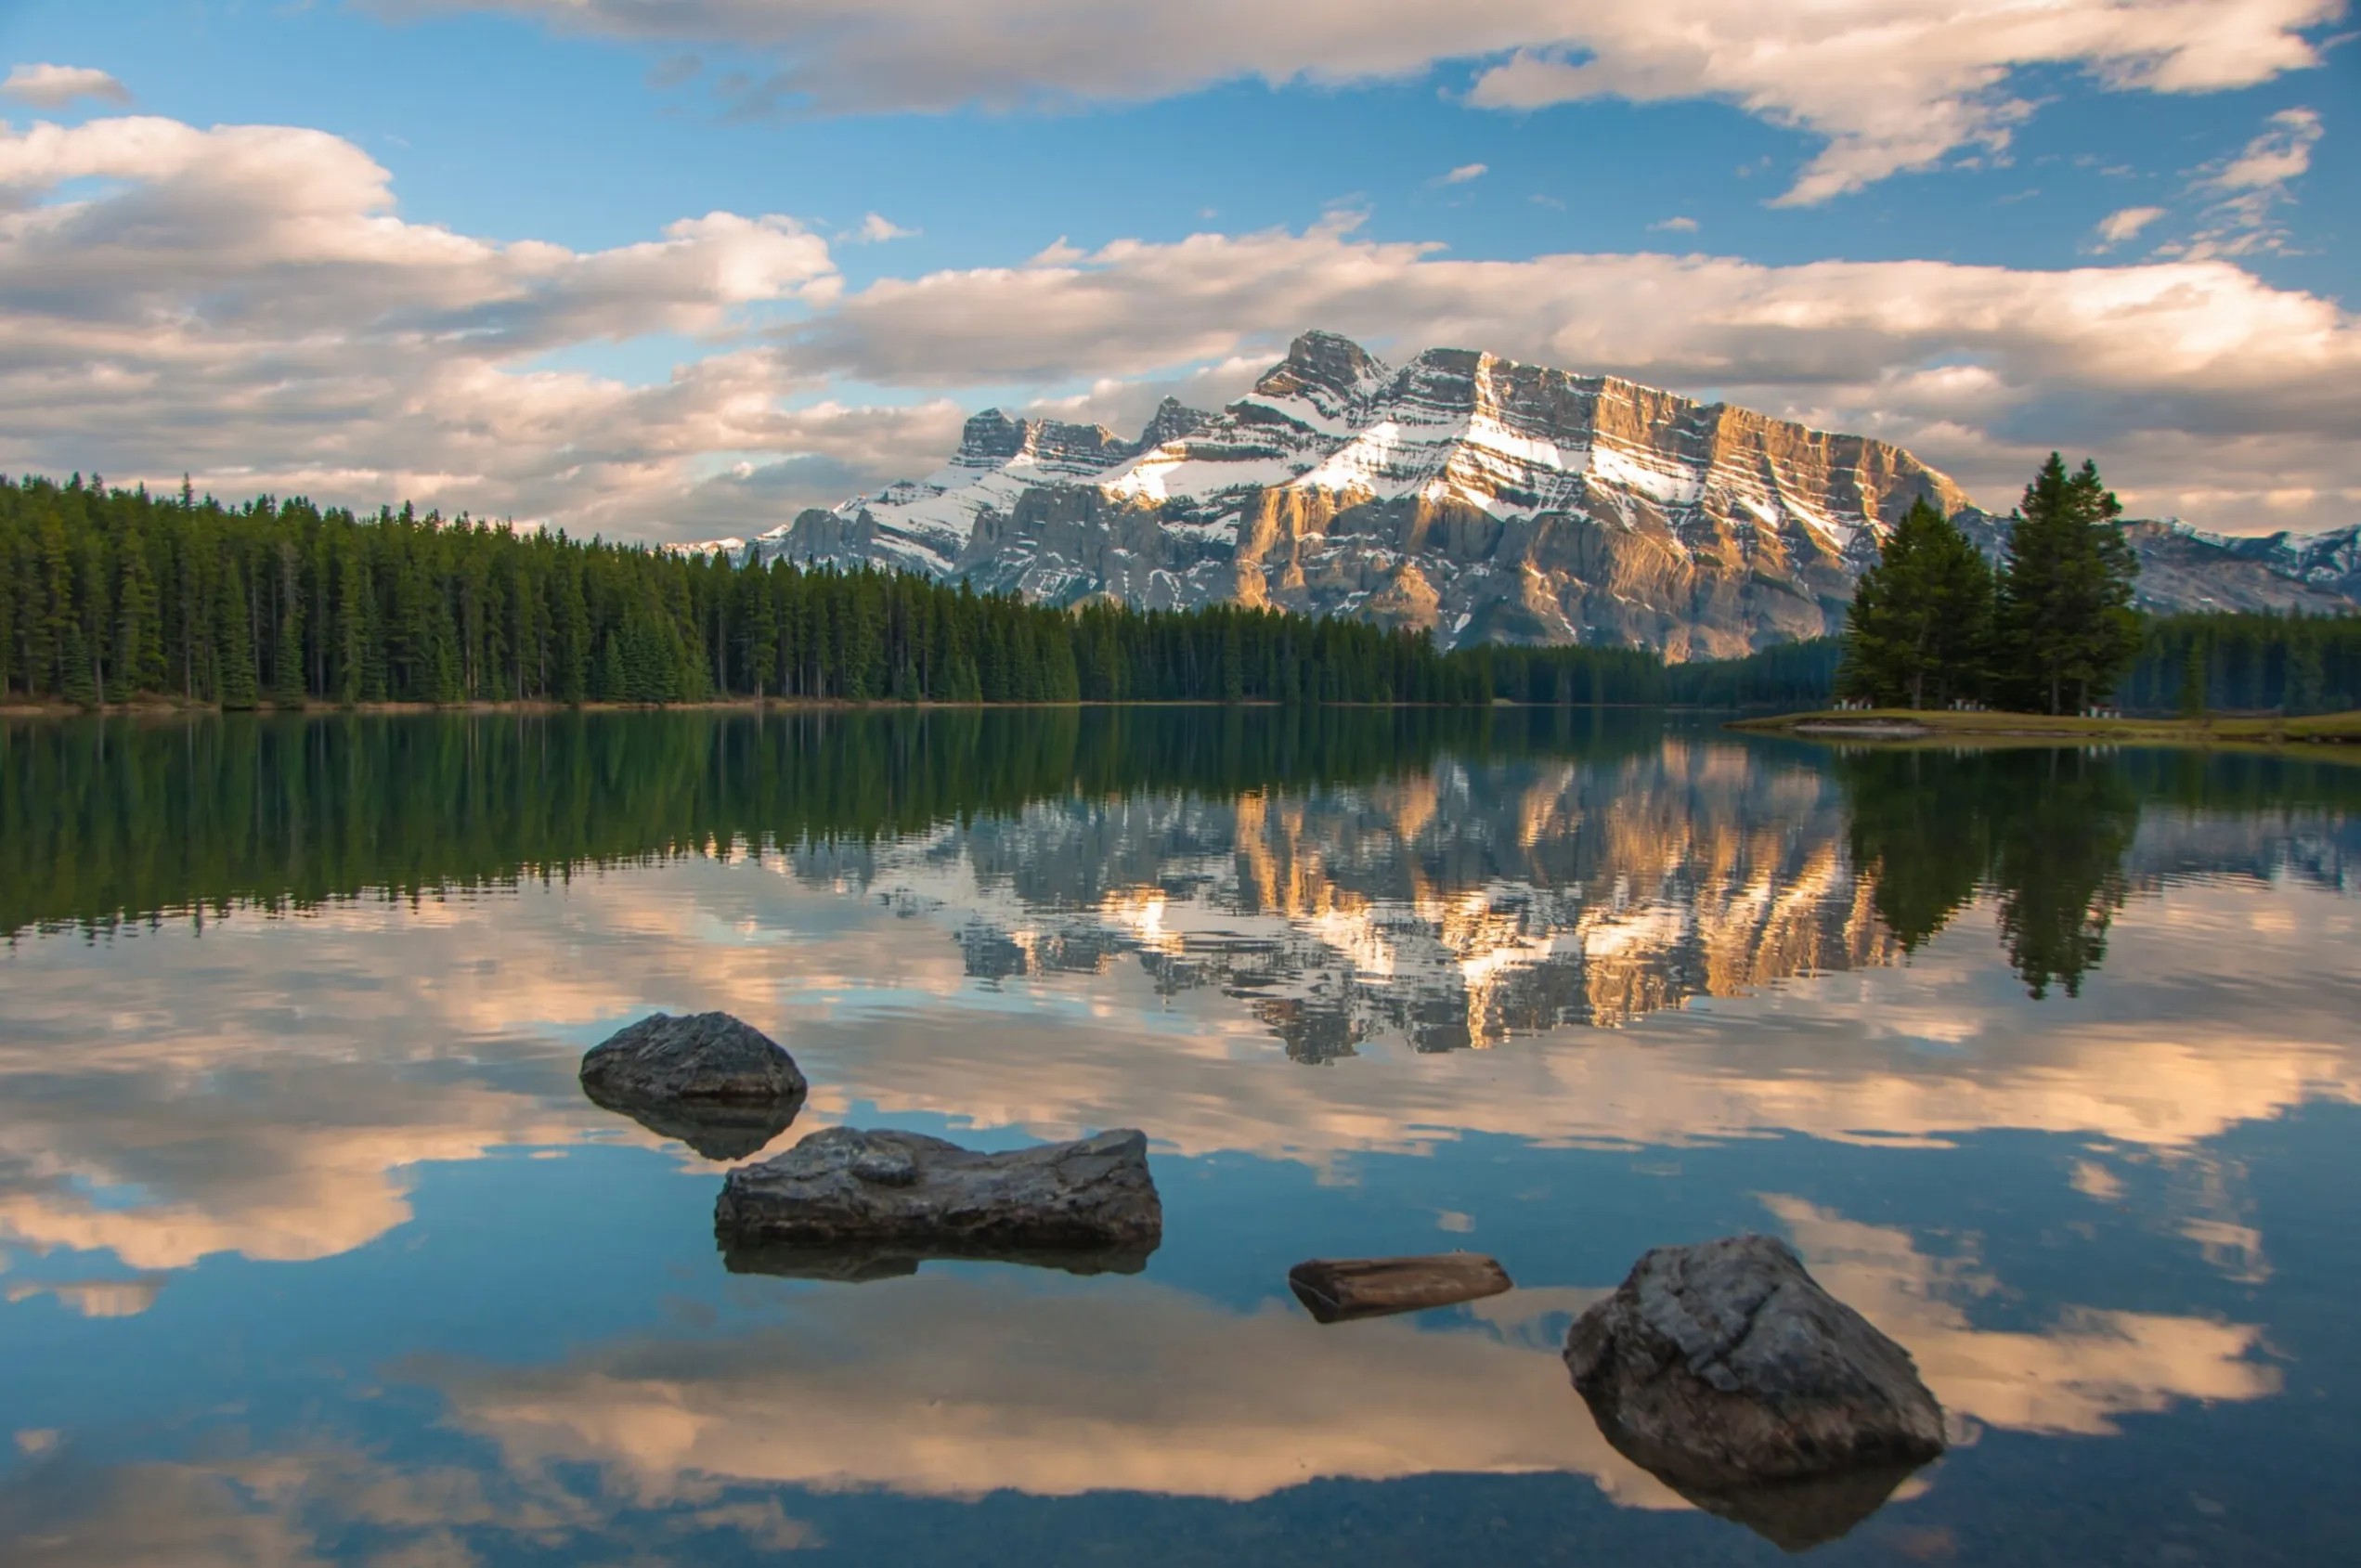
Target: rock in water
{"x": 1338, "y": 1290}
{"x": 843, "y": 1192}
{"x": 719, "y": 1085}
{"x": 1726, "y": 1370}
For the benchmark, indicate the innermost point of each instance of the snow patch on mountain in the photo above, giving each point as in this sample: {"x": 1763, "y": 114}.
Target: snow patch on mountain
{"x": 1480, "y": 499}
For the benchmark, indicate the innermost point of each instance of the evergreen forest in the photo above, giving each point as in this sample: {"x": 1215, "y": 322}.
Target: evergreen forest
{"x": 107, "y": 595}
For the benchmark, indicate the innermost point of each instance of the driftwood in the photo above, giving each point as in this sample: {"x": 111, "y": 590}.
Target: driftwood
{"x": 1338, "y": 1290}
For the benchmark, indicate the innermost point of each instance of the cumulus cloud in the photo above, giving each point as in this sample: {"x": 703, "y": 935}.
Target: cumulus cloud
{"x": 1677, "y": 225}
{"x": 58, "y": 87}
{"x": 1467, "y": 172}
{"x": 1897, "y": 84}
{"x": 2203, "y": 391}
{"x": 1887, "y": 84}
{"x": 247, "y": 304}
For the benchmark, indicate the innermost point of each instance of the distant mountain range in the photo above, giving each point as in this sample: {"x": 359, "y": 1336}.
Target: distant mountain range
{"x": 1483, "y": 500}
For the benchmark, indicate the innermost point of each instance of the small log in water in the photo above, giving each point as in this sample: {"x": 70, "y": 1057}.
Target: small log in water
{"x": 1336, "y": 1290}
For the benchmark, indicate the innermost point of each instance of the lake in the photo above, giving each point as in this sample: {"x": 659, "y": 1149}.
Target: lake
{"x": 312, "y": 1250}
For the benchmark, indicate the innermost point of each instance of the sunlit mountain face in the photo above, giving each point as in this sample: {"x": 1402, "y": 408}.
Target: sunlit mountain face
{"x": 311, "y": 1250}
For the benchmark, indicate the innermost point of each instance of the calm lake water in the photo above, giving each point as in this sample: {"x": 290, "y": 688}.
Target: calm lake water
{"x": 311, "y": 1251}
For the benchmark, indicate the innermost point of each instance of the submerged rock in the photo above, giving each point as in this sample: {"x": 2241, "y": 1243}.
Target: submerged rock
{"x": 886, "y": 1195}
{"x": 1725, "y": 1369}
{"x": 719, "y": 1085}
{"x": 1338, "y": 1290}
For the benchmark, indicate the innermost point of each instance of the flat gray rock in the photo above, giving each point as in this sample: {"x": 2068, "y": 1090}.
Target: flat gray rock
{"x": 1726, "y": 1370}
{"x": 846, "y": 1191}
{"x": 719, "y": 1085}
{"x": 1338, "y": 1290}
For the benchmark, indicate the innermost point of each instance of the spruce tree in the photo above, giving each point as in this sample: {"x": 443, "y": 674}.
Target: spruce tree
{"x": 139, "y": 639}
{"x": 2067, "y": 629}
{"x": 287, "y": 644}
{"x": 2192, "y": 693}
{"x": 240, "y": 687}
{"x": 1919, "y": 630}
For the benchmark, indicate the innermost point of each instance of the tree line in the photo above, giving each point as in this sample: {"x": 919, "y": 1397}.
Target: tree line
{"x": 2247, "y": 662}
{"x": 2191, "y": 662}
{"x": 109, "y": 594}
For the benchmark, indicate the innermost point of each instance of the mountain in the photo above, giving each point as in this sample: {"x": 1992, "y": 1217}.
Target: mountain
{"x": 1481, "y": 498}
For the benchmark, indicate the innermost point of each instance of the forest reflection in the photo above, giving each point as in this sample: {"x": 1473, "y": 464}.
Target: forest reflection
{"x": 1445, "y": 876}
{"x": 2046, "y": 832}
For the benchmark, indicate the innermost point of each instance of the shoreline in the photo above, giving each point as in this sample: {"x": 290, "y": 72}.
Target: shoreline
{"x": 1904, "y": 726}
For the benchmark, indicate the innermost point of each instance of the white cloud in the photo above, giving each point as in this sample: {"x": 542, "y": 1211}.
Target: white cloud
{"x": 2276, "y": 156}
{"x": 1677, "y": 225}
{"x": 1887, "y": 84}
{"x": 2124, "y": 225}
{"x": 1467, "y": 172}
{"x": 2201, "y": 389}
{"x": 2248, "y": 190}
{"x": 56, "y": 86}
{"x": 876, "y": 228}
{"x": 247, "y": 303}
{"x": 1898, "y": 85}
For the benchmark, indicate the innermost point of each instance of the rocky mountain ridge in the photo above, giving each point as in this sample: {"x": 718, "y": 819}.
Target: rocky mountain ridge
{"x": 1474, "y": 496}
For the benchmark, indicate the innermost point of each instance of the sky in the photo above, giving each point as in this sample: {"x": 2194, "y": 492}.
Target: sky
{"x": 668, "y": 269}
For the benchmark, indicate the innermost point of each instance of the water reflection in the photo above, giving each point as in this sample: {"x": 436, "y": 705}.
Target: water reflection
{"x": 2020, "y": 1050}
{"x": 715, "y": 1130}
{"x": 2048, "y": 829}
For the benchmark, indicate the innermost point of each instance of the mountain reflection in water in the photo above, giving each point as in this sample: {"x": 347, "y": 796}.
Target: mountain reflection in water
{"x": 312, "y": 1251}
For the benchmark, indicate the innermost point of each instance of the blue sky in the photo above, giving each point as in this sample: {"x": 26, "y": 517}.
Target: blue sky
{"x": 449, "y": 275}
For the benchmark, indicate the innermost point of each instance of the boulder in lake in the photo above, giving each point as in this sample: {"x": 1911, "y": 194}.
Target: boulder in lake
{"x": 1725, "y": 1369}
{"x": 849, "y": 1193}
{"x": 1338, "y": 1290}
{"x": 719, "y": 1085}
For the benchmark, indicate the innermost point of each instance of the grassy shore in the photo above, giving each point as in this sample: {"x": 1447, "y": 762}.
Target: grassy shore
{"x": 1905, "y": 724}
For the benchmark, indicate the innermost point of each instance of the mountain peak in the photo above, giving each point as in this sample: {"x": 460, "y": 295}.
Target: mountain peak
{"x": 992, "y": 437}
{"x": 1477, "y": 498}
{"x": 1324, "y": 360}
{"x": 1172, "y": 420}
{"x": 989, "y": 437}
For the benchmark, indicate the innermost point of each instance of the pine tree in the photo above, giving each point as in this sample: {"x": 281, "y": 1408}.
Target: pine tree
{"x": 352, "y": 640}
{"x": 240, "y": 687}
{"x": 287, "y": 644}
{"x": 1920, "y": 625}
{"x": 2067, "y": 629}
{"x": 139, "y": 639}
{"x": 77, "y": 682}
{"x": 2192, "y": 693}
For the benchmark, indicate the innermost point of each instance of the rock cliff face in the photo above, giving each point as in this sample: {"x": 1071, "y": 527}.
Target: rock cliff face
{"x": 1480, "y": 499}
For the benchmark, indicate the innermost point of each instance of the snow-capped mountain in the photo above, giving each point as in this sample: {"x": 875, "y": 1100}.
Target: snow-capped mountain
{"x": 1481, "y": 498}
